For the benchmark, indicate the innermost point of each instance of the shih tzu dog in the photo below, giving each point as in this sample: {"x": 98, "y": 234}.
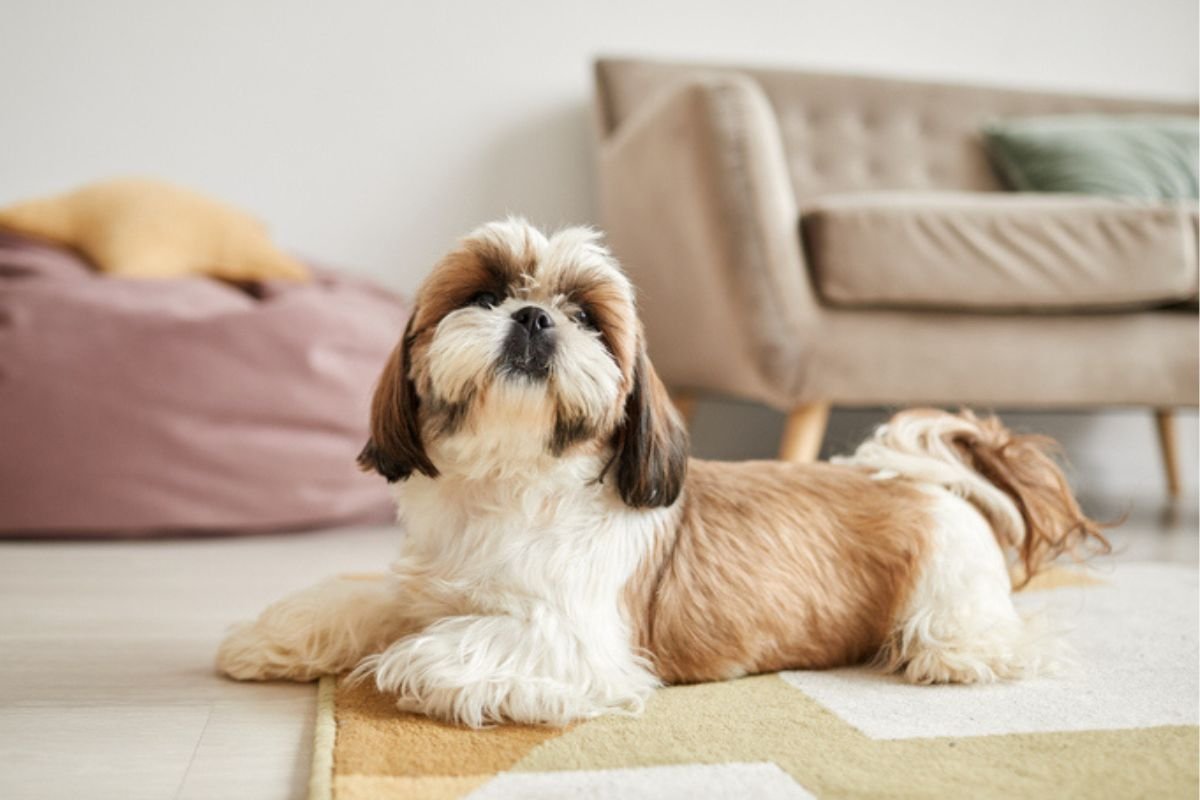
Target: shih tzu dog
{"x": 563, "y": 556}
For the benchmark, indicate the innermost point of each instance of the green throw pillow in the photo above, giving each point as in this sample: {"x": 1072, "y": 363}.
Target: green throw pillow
{"x": 1152, "y": 158}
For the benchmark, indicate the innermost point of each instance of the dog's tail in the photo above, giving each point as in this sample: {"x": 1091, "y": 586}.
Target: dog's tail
{"x": 1012, "y": 479}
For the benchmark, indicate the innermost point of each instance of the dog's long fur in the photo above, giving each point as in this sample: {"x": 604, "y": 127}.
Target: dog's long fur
{"x": 563, "y": 556}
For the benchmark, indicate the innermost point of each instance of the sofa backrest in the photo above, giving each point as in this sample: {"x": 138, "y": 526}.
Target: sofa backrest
{"x": 854, "y": 133}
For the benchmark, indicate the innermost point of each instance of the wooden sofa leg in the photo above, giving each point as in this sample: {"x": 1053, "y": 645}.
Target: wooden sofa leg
{"x": 804, "y": 432}
{"x": 1164, "y": 418}
{"x": 685, "y": 404}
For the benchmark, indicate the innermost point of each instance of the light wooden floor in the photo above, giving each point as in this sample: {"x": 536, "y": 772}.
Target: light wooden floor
{"x": 106, "y": 685}
{"x": 106, "y": 688}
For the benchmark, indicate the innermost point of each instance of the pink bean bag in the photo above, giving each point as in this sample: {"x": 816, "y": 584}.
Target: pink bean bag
{"x": 138, "y": 407}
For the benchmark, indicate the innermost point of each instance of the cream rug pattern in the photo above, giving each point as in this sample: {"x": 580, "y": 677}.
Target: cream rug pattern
{"x": 1122, "y": 723}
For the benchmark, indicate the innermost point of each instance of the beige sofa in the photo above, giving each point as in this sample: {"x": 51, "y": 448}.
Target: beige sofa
{"x": 807, "y": 240}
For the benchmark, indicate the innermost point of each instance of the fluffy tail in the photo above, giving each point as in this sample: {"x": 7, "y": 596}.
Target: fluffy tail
{"x": 1012, "y": 479}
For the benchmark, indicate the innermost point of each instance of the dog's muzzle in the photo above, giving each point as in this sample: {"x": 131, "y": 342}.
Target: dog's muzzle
{"x": 529, "y": 348}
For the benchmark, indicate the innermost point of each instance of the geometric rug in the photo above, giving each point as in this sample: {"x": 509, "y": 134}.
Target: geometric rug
{"x": 1122, "y": 722}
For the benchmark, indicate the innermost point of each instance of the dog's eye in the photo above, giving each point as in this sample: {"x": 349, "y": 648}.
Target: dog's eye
{"x": 583, "y": 318}
{"x": 484, "y": 300}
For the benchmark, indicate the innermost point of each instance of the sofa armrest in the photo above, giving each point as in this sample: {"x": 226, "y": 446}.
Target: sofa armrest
{"x": 697, "y": 201}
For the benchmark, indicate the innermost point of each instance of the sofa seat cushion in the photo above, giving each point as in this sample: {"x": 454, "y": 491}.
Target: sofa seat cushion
{"x": 999, "y": 252}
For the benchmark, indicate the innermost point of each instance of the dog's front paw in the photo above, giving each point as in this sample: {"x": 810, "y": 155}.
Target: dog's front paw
{"x": 247, "y": 654}
{"x": 491, "y": 702}
{"x": 451, "y": 673}
{"x": 488, "y": 702}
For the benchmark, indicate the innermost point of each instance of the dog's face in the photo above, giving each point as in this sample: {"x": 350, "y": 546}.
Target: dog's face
{"x": 529, "y": 346}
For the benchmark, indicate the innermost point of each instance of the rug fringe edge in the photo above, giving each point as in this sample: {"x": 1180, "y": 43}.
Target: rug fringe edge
{"x": 320, "y": 782}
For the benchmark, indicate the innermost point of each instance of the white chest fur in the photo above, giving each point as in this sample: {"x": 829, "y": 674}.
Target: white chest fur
{"x": 564, "y": 539}
{"x": 517, "y": 581}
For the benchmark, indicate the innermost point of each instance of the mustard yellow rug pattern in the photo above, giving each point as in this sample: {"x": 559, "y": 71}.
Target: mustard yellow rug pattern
{"x": 769, "y": 736}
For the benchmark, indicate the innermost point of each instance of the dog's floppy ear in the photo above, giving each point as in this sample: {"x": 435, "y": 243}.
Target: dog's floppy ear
{"x": 651, "y": 444}
{"x": 395, "y": 450}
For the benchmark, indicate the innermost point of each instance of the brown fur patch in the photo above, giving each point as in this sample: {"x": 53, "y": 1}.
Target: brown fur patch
{"x": 651, "y": 444}
{"x": 1022, "y": 465}
{"x": 569, "y": 431}
{"x": 477, "y": 266}
{"x": 395, "y": 449}
{"x": 777, "y": 566}
{"x": 611, "y": 311}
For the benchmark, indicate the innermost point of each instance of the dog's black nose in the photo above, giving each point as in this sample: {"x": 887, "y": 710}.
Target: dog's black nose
{"x": 533, "y": 319}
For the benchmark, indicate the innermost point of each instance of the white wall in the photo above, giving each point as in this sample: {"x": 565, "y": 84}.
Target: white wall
{"x": 371, "y": 134}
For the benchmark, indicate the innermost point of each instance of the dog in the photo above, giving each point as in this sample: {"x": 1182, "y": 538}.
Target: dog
{"x": 563, "y": 556}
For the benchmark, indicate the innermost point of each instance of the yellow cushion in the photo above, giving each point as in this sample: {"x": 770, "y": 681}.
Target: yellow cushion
{"x": 148, "y": 229}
